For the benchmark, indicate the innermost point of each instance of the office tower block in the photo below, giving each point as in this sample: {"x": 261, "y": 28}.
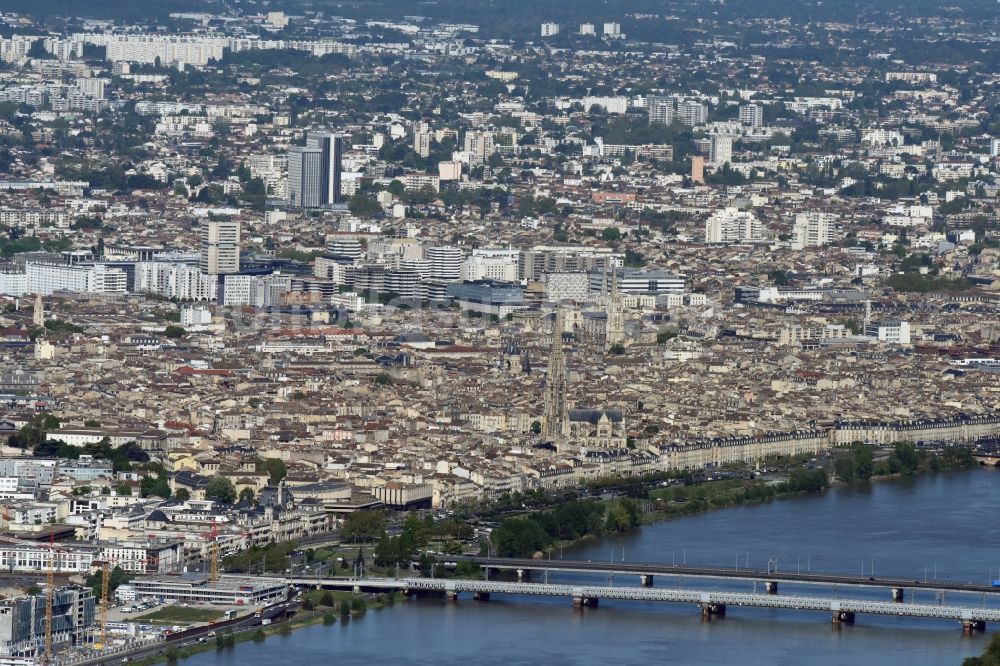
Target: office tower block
{"x": 220, "y": 247}
{"x": 446, "y": 262}
{"x": 331, "y": 146}
{"x": 305, "y": 168}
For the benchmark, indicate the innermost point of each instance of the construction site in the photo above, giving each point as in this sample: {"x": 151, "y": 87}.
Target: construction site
{"x": 61, "y": 614}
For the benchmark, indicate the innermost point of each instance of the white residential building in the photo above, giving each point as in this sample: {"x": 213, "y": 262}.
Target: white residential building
{"x": 881, "y": 137}
{"x": 446, "y": 262}
{"x": 13, "y": 283}
{"x": 892, "y": 331}
{"x": 692, "y": 113}
{"x": 449, "y": 171}
{"x": 617, "y": 105}
{"x": 498, "y": 269}
{"x": 813, "y": 228}
{"x": 731, "y": 225}
{"x": 660, "y": 110}
{"x": 220, "y": 246}
{"x": 721, "y": 149}
{"x": 422, "y": 142}
{"x": 94, "y": 279}
{"x": 260, "y": 291}
{"x": 174, "y": 280}
{"x": 752, "y": 115}
{"x": 567, "y": 286}
{"x": 479, "y": 146}
{"x": 195, "y": 316}
{"x": 167, "y": 49}
{"x": 550, "y": 29}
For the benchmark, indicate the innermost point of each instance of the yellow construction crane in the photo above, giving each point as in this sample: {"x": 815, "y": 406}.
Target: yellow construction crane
{"x": 106, "y": 573}
{"x": 50, "y": 583}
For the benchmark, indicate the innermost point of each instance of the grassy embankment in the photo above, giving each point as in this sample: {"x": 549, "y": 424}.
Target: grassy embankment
{"x": 326, "y": 607}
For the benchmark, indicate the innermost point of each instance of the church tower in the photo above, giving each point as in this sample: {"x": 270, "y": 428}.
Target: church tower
{"x": 614, "y": 332}
{"x": 38, "y": 311}
{"x": 556, "y": 412}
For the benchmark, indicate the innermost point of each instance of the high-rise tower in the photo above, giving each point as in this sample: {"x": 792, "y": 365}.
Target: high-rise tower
{"x": 315, "y": 171}
{"x": 220, "y": 247}
{"x": 305, "y": 166}
{"x": 331, "y": 146}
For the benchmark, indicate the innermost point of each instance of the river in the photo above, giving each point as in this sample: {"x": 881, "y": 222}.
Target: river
{"x": 932, "y": 525}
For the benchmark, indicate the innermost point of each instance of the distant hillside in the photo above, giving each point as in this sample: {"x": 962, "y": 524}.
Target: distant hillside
{"x": 520, "y": 19}
{"x": 512, "y": 16}
{"x": 124, "y": 10}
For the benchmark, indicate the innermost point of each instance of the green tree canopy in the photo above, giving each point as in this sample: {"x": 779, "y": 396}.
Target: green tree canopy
{"x": 363, "y": 525}
{"x": 174, "y": 332}
{"x": 274, "y": 468}
{"x": 220, "y": 489}
{"x": 611, "y": 234}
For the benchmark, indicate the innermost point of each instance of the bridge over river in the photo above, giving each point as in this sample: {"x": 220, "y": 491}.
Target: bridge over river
{"x": 710, "y": 603}
{"x": 645, "y": 573}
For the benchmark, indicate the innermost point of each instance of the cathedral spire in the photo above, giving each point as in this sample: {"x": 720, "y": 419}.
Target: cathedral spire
{"x": 556, "y": 416}
{"x": 614, "y": 332}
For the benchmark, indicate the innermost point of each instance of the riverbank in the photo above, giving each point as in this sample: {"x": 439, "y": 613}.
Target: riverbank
{"x": 700, "y": 497}
{"x": 682, "y": 501}
{"x": 666, "y": 503}
{"x": 902, "y": 525}
{"x": 326, "y": 608}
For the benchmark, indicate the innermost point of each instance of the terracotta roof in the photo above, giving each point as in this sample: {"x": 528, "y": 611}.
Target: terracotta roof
{"x": 187, "y": 370}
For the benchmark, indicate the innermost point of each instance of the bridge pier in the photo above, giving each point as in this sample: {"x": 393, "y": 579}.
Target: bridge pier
{"x": 520, "y": 575}
{"x": 585, "y": 602}
{"x": 898, "y": 594}
{"x": 709, "y": 610}
{"x": 451, "y": 595}
{"x": 771, "y": 586}
{"x": 356, "y": 589}
{"x": 481, "y": 596}
{"x": 970, "y": 626}
{"x": 843, "y": 617}
{"x": 646, "y": 580}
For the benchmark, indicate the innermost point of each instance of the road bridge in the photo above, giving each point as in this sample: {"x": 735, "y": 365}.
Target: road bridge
{"x": 711, "y": 604}
{"x": 770, "y": 577}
